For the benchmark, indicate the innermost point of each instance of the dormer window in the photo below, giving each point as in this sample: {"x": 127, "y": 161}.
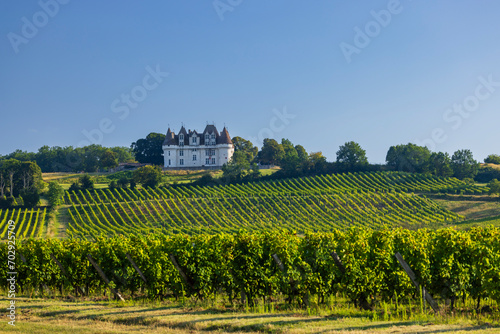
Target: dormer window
{"x": 193, "y": 140}
{"x": 181, "y": 137}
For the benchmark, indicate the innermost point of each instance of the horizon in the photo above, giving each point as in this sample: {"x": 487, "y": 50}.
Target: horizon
{"x": 320, "y": 74}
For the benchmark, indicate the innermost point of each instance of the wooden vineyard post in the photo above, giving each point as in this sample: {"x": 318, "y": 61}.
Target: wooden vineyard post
{"x": 77, "y": 288}
{"x": 101, "y": 273}
{"x": 136, "y": 268}
{"x": 413, "y": 278}
{"x": 179, "y": 269}
{"x": 338, "y": 262}
{"x": 276, "y": 259}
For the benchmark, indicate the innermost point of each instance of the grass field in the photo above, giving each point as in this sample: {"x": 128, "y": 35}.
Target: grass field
{"x": 92, "y": 316}
{"x": 478, "y": 210}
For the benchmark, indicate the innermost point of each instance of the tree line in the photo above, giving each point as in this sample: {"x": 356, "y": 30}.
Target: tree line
{"x": 21, "y": 172}
{"x": 88, "y": 159}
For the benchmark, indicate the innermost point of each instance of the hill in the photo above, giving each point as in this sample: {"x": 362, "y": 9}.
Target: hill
{"x": 317, "y": 203}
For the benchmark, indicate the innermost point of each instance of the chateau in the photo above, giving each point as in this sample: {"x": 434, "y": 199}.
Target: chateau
{"x": 189, "y": 149}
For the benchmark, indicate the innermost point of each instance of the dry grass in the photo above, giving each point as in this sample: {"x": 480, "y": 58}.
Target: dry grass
{"x": 57, "y": 316}
{"x": 491, "y": 165}
{"x": 476, "y": 212}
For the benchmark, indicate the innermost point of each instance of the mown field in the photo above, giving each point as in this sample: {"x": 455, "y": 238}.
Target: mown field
{"x": 47, "y": 316}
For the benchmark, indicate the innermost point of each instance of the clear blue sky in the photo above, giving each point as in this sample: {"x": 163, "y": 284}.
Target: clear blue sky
{"x": 247, "y": 61}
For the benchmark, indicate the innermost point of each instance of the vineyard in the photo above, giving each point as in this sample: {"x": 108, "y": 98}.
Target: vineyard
{"x": 450, "y": 264}
{"x": 30, "y": 222}
{"x": 309, "y": 204}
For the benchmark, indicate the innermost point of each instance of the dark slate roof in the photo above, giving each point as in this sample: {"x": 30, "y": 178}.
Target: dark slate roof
{"x": 169, "y": 138}
{"x": 173, "y": 139}
{"x": 224, "y": 137}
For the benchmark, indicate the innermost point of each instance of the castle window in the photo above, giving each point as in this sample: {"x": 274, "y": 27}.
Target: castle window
{"x": 207, "y": 152}
{"x": 181, "y": 137}
{"x": 168, "y": 153}
{"x": 194, "y": 157}
{"x": 181, "y": 162}
{"x": 207, "y": 161}
{"x": 181, "y": 153}
{"x": 193, "y": 140}
{"x": 169, "y": 162}
{"x": 213, "y": 161}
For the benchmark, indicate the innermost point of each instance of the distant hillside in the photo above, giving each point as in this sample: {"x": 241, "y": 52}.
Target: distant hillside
{"x": 318, "y": 203}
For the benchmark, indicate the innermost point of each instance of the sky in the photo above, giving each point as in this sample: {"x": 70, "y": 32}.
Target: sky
{"x": 320, "y": 73}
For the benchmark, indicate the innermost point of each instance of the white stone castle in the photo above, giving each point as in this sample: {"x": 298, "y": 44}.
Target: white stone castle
{"x": 189, "y": 149}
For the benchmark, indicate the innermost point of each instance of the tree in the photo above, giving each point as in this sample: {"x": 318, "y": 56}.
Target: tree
{"x": 55, "y": 193}
{"x": 149, "y": 150}
{"x": 123, "y": 154}
{"x": 86, "y": 182}
{"x": 31, "y": 198}
{"x": 464, "y": 165}
{"x": 492, "y": 159}
{"x": 74, "y": 187}
{"x": 351, "y": 156}
{"x": 317, "y": 162}
{"x": 301, "y": 153}
{"x": 148, "y": 176}
{"x": 440, "y": 164}
{"x": 239, "y": 168}
{"x": 11, "y": 167}
{"x": 408, "y": 158}
{"x": 494, "y": 186}
{"x": 29, "y": 177}
{"x": 123, "y": 182}
{"x": 246, "y": 147}
{"x": 271, "y": 152}
{"x": 109, "y": 159}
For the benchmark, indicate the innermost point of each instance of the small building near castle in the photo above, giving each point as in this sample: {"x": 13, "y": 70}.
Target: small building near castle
{"x": 188, "y": 149}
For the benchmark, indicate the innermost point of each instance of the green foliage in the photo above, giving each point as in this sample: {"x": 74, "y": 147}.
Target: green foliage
{"x": 486, "y": 174}
{"x": 494, "y": 186}
{"x": 20, "y": 176}
{"x": 452, "y": 264}
{"x": 464, "y": 165}
{"x": 109, "y": 159}
{"x": 246, "y": 147}
{"x": 408, "y": 158}
{"x": 149, "y": 149}
{"x": 271, "y": 153}
{"x": 123, "y": 182}
{"x": 351, "y": 156}
{"x": 55, "y": 193}
{"x": 148, "y": 176}
{"x": 69, "y": 159}
{"x": 86, "y": 182}
{"x": 31, "y": 198}
{"x": 492, "y": 159}
{"x": 440, "y": 164}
